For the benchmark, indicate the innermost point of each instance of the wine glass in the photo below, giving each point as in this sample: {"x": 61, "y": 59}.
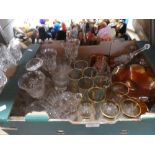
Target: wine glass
{"x": 71, "y": 49}
{"x": 48, "y": 56}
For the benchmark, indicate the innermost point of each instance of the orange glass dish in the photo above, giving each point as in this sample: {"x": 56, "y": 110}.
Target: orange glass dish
{"x": 142, "y": 77}
{"x": 136, "y": 73}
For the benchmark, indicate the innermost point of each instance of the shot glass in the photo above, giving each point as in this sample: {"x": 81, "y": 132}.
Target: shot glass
{"x": 86, "y": 111}
{"x": 80, "y": 64}
{"x": 74, "y": 77}
{"x": 96, "y": 96}
{"x": 60, "y": 81}
{"x": 84, "y": 85}
{"x": 102, "y": 81}
{"x": 89, "y": 72}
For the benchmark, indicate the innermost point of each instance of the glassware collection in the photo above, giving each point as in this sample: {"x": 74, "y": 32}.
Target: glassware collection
{"x": 84, "y": 90}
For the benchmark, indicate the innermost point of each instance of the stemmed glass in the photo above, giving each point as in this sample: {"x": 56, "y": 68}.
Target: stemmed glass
{"x": 33, "y": 82}
{"x": 48, "y": 55}
{"x": 71, "y": 49}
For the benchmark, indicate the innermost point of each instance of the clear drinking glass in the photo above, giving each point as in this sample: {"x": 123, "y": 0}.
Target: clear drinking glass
{"x": 63, "y": 105}
{"x": 60, "y": 77}
{"x": 102, "y": 81}
{"x": 33, "y": 83}
{"x": 48, "y": 56}
{"x": 14, "y": 49}
{"x": 84, "y": 85}
{"x": 71, "y": 49}
{"x": 96, "y": 96}
{"x": 74, "y": 77}
{"x": 60, "y": 81}
{"x": 80, "y": 64}
{"x": 6, "y": 59}
{"x": 86, "y": 111}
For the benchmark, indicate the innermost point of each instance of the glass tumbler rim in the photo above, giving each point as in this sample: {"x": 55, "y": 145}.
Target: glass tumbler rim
{"x": 99, "y": 88}
{"x": 109, "y": 116}
{"x": 75, "y": 69}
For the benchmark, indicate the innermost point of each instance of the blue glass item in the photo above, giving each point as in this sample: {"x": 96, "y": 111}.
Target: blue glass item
{"x": 57, "y": 26}
{"x": 42, "y": 21}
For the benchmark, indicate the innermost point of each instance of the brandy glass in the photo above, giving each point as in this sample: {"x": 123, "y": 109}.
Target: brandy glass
{"x": 33, "y": 83}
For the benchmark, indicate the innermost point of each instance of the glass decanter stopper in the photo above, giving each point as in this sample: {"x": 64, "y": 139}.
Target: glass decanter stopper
{"x": 126, "y": 58}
